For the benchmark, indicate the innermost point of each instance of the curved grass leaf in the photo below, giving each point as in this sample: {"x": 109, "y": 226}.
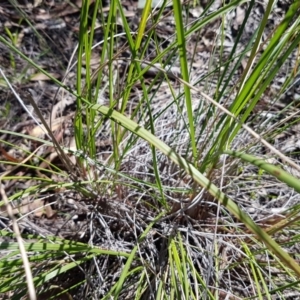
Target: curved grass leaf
{"x": 279, "y": 173}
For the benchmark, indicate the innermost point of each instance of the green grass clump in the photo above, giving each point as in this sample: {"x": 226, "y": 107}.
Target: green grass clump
{"x": 172, "y": 160}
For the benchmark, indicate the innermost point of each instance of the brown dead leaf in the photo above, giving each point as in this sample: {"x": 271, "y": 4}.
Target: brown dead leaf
{"x": 49, "y": 211}
{"x": 8, "y": 156}
{"x": 36, "y": 207}
{"x": 47, "y": 161}
{"x": 40, "y": 130}
{"x": 43, "y": 77}
{"x": 26, "y": 207}
{"x": 73, "y": 147}
{"x": 61, "y": 10}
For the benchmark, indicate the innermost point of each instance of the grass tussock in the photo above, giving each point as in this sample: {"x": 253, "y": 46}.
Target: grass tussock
{"x": 150, "y": 153}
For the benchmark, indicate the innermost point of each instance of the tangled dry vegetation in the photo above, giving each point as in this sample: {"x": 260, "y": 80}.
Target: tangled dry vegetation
{"x": 109, "y": 201}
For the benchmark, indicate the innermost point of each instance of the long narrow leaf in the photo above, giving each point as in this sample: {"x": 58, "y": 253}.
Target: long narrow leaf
{"x": 280, "y": 174}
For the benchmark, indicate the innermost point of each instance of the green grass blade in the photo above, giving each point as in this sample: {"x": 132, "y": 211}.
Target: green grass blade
{"x": 134, "y": 51}
{"x": 253, "y": 81}
{"x": 275, "y": 171}
{"x": 185, "y": 72}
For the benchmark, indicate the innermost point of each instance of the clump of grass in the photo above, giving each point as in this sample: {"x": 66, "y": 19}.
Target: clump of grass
{"x": 171, "y": 194}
